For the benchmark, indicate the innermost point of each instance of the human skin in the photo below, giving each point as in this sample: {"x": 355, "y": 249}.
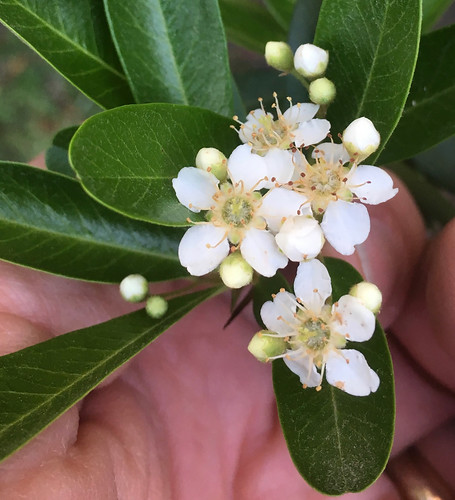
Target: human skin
{"x": 193, "y": 415}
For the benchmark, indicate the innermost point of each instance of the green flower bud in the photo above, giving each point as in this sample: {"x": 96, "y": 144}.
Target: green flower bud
{"x": 311, "y": 61}
{"x": 134, "y": 288}
{"x": 263, "y": 347}
{"x": 322, "y": 91}
{"x": 369, "y": 294}
{"x": 235, "y": 271}
{"x": 156, "y": 307}
{"x": 279, "y": 56}
{"x": 213, "y": 161}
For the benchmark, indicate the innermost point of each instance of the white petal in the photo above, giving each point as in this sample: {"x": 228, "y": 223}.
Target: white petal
{"x": 283, "y": 306}
{"x": 345, "y": 225}
{"x": 279, "y": 204}
{"x": 372, "y": 184}
{"x": 300, "y": 238}
{"x": 194, "y": 253}
{"x": 311, "y": 132}
{"x": 247, "y": 167}
{"x": 300, "y": 363}
{"x": 253, "y": 123}
{"x": 194, "y": 188}
{"x": 260, "y": 250}
{"x": 312, "y": 285}
{"x": 354, "y": 377}
{"x": 353, "y": 319}
{"x": 301, "y": 112}
{"x": 280, "y": 166}
{"x": 332, "y": 153}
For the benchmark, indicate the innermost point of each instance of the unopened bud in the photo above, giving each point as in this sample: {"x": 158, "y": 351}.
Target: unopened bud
{"x": 156, "y": 306}
{"x": 235, "y": 271}
{"x": 279, "y": 56}
{"x": 134, "y": 288}
{"x": 263, "y": 347}
{"x": 322, "y": 91}
{"x": 369, "y": 294}
{"x": 361, "y": 138}
{"x": 311, "y": 61}
{"x": 213, "y": 161}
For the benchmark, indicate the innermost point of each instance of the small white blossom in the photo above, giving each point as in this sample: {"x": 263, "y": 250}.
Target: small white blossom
{"x": 273, "y": 138}
{"x": 361, "y": 138}
{"x": 238, "y": 216}
{"x": 317, "y": 332}
{"x": 134, "y": 288}
{"x": 332, "y": 189}
{"x": 311, "y": 61}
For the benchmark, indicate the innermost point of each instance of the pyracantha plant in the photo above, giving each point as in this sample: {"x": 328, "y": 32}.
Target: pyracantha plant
{"x": 184, "y": 176}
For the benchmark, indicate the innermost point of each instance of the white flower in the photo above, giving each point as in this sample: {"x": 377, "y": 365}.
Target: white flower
{"x": 317, "y": 332}
{"x": 361, "y": 138}
{"x": 311, "y": 61}
{"x": 331, "y": 189}
{"x": 237, "y": 215}
{"x": 272, "y": 138}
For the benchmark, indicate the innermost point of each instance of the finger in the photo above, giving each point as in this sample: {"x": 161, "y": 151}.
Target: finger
{"x": 425, "y": 327}
{"x": 388, "y": 256}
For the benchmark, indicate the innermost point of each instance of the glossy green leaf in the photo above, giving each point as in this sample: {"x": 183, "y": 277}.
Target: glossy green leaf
{"x": 250, "y": 25}
{"x": 39, "y": 383}
{"x": 73, "y": 36}
{"x": 126, "y": 158}
{"x": 48, "y": 222}
{"x": 429, "y": 115}
{"x": 166, "y": 60}
{"x": 432, "y": 10}
{"x": 281, "y": 10}
{"x": 338, "y": 442}
{"x": 373, "y": 48}
{"x": 57, "y": 155}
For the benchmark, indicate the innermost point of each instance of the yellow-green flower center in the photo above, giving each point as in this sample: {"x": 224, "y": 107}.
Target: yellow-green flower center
{"x": 237, "y": 211}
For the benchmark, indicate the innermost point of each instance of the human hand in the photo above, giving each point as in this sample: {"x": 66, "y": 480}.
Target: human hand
{"x": 193, "y": 415}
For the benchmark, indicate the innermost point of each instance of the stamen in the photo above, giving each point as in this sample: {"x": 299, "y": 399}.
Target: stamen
{"x": 208, "y": 245}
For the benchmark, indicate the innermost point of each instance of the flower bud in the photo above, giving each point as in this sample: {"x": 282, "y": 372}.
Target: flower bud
{"x": 213, "y": 161}
{"x": 156, "y": 306}
{"x": 134, "y": 288}
{"x": 311, "y": 61}
{"x": 235, "y": 271}
{"x": 322, "y": 91}
{"x": 263, "y": 347}
{"x": 369, "y": 294}
{"x": 361, "y": 138}
{"x": 279, "y": 56}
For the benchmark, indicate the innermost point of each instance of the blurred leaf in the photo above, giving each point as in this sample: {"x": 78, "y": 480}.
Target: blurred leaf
{"x": 338, "y": 442}
{"x": 74, "y": 38}
{"x": 173, "y": 51}
{"x": 429, "y": 115}
{"x": 39, "y": 383}
{"x": 57, "y": 155}
{"x": 48, "y": 222}
{"x": 250, "y": 25}
{"x": 373, "y": 50}
{"x": 436, "y": 209}
{"x": 432, "y": 10}
{"x": 126, "y": 158}
{"x": 282, "y": 11}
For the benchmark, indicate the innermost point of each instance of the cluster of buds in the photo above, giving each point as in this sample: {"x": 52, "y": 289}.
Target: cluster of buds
{"x": 135, "y": 288}
{"x": 308, "y": 64}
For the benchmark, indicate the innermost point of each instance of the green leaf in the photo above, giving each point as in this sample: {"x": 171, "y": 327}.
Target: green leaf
{"x": 338, "y": 442}
{"x": 126, "y": 158}
{"x": 281, "y": 10}
{"x": 173, "y": 51}
{"x": 432, "y": 10}
{"x": 74, "y": 38}
{"x": 39, "y": 383}
{"x": 373, "y": 50}
{"x": 48, "y": 222}
{"x": 250, "y": 25}
{"x": 57, "y": 155}
{"x": 429, "y": 115}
